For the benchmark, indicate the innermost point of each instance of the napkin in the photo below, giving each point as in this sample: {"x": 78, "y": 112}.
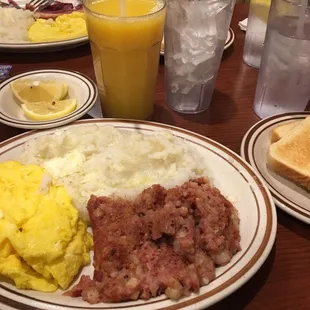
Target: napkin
{"x": 243, "y": 24}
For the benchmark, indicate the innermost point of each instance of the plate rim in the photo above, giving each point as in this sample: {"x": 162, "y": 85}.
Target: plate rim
{"x": 93, "y": 94}
{"x": 287, "y": 207}
{"x": 231, "y": 39}
{"x": 268, "y": 237}
{"x": 7, "y": 47}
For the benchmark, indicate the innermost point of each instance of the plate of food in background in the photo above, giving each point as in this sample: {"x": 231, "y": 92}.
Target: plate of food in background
{"x": 178, "y": 220}
{"x": 229, "y": 41}
{"x": 59, "y": 26}
{"x": 278, "y": 148}
{"x": 48, "y": 98}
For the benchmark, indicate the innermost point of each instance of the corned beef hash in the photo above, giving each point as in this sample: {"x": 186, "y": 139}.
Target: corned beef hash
{"x": 163, "y": 241}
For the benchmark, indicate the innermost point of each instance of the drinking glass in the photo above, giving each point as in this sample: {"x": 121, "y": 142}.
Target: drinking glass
{"x": 125, "y": 37}
{"x": 195, "y": 34}
{"x": 283, "y": 82}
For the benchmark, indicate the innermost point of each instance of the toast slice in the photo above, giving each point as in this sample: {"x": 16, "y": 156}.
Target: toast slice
{"x": 280, "y": 131}
{"x": 290, "y": 156}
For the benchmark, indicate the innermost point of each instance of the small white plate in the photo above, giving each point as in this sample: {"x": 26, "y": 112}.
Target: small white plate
{"x": 80, "y": 87}
{"x": 287, "y": 195}
{"x": 229, "y": 41}
{"x": 229, "y": 172}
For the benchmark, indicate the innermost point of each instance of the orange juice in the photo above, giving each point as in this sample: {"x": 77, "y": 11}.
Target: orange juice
{"x": 125, "y": 53}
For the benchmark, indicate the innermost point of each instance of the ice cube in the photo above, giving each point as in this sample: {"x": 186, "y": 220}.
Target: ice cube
{"x": 172, "y": 41}
{"x": 178, "y": 15}
{"x": 203, "y": 59}
{"x": 184, "y": 69}
{"x": 186, "y": 87}
{"x": 214, "y": 7}
{"x": 202, "y": 74}
{"x": 182, "y": 86}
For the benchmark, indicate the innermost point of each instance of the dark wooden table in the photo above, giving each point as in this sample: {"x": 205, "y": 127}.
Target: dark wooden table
{"x": 283, "y": 282}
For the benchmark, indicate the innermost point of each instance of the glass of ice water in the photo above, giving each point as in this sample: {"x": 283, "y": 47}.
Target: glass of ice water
{"x": 195, "y": 34}
{"x": 256, "y": 32}
{"x": 284, "y": 77}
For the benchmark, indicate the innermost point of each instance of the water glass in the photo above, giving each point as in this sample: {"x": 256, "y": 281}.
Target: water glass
{"x": 195, "y": 34}
{"x": 283, "y": 82}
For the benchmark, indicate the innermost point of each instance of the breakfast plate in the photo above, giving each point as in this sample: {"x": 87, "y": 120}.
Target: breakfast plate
{"x": 229, "y": 41}
{"x": 288, "y": 196}
{"x": 40, "y": 47}
{"x": 229, "y": 172}
{"x": 80, "y": 87}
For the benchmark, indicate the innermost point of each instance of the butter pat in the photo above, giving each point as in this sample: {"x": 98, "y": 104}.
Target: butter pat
{"x": 60, "y": 167}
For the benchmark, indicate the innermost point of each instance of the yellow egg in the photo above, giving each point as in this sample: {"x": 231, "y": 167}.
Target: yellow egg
{"x": 13, "y": 173}
{"x": 64, "y": 27}
{"x": 64, "y": 269}
{"x": 43, "y": 243}
{"x": 6, "y": 248}
{"x": 24, "y": 276}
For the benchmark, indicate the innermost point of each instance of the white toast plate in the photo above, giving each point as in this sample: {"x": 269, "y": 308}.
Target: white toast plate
{"x": 287, "y": 195}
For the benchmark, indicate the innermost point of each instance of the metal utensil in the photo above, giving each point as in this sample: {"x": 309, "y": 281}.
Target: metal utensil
{"x": 38, "y": 5}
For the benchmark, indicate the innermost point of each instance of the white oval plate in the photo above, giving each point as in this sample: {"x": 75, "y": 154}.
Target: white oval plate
{"x": 229, "y": 41}
{"x": 80, "y": 87}
{"x": 230, "y": 173}
{"x": 288, "y": 196}
{"x": 40, "y": 47}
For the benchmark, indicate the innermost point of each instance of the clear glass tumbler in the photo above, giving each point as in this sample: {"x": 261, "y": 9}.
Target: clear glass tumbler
{"x": 125, "y": 44}
{"x": 284, "y": 76}
{"x": 195, "y": 34}
{"x": 256, "y": 32}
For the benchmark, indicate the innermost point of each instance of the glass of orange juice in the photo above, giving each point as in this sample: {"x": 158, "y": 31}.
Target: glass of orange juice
{"x": 125, "y": 38}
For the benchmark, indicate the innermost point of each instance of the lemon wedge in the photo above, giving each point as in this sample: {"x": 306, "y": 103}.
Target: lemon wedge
{"x": 261, "y": 9}
{"x": 47, "y": 110}
{"x": 30, "y": 91}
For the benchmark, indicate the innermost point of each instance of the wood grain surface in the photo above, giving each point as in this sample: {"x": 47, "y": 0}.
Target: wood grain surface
{"x": 283, "y": 282}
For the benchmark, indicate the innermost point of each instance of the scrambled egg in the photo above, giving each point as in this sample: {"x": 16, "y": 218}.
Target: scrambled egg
{"x": 43, "y": 243}
{"x": 64, "y": 27}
